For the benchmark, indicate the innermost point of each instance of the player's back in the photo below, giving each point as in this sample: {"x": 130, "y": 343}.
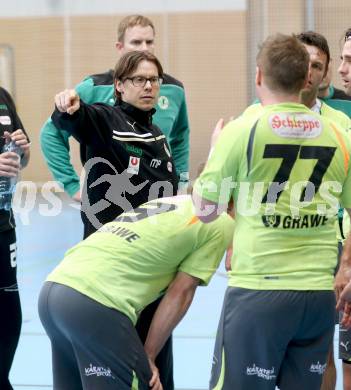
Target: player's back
{"x": 128, "y": 263}
{"x": 293, "y": 167}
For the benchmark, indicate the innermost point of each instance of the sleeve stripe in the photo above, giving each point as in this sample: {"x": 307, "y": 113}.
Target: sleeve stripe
{"x": 193, "y": 220}
{"x": 249, "y": 149}
{"x": 343, "y": 148}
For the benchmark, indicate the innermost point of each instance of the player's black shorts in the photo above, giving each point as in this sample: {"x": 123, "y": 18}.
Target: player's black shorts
{"x": 93, "y": 346}
{"x": 269, "y": 338}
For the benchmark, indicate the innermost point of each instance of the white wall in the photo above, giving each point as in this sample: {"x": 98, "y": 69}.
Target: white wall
{"x": 30, "y": 8}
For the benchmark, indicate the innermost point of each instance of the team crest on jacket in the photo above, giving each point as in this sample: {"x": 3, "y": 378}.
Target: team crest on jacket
{"x": 163, "y": 102}
{"x": 134, "y": 164}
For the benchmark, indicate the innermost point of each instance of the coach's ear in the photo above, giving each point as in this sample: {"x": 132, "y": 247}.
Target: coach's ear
{"x": 119, "y": 86}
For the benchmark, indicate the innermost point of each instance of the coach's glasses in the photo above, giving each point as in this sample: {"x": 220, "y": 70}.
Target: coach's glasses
{"x": 140, "y": 81}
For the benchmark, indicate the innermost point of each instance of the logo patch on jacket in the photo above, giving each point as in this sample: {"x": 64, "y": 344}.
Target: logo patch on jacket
{"x": 5, "y": 120}
{"x": 134, "y": 164}
{"x": 134, "y": 149}
{"x": 163, "y": 102}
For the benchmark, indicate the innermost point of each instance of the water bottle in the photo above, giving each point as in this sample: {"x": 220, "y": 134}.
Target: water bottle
{"x": 8, "y": 184}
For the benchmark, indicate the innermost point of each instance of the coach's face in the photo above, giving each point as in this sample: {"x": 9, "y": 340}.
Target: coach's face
{"x": 142, "y": 87}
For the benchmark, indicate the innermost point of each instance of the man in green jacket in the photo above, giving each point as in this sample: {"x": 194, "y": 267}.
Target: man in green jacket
{"x": 135, "y": 32}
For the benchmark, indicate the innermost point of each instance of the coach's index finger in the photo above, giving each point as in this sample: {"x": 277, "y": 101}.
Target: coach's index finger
{"x": 72, "y": 101}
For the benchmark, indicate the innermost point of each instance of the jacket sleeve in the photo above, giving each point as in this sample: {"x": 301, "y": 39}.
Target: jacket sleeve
{"x": 179, "y": 143}
{"x": 55, "y": 147}
{"x": 87, "y": 125}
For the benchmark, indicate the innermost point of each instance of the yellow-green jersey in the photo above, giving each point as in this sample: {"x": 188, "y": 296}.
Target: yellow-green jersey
{"x": 343, "y": 121}
{"x": 287, "y": 168}
{"x": 336, "y": 116}
{"x": 128, "y": 263}
{"x": 333, "y": 114}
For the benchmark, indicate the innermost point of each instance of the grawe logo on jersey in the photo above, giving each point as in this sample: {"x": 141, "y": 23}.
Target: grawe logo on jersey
{"x": 134, "y": 164}
{"x": 271, "y": 220}
{"x": 295, "y": 125}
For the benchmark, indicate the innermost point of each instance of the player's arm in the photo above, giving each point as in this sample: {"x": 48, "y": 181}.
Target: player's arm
{"x": 210, "y": 183}
{"x": 171, "y": 310}
{"x": 179, "y": 142}
{"x": 343, "y": 282}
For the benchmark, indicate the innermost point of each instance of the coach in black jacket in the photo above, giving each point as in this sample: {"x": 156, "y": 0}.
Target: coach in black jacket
{"x": 128, "y": 161}
{"x": 128, "y": 158}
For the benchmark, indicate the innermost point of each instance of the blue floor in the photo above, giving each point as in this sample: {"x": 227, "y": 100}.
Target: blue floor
{"x": 41, "y": 245}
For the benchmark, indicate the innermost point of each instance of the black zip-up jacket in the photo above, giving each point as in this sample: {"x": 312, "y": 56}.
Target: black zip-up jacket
{"x": 9, "y": 121}
{"x": 127, "y": 159}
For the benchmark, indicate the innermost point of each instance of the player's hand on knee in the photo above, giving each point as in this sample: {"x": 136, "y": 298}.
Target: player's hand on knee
{"x": 342, "y": 279}
{"x": 67, "y": 101}
{"x": 155, "y": 383}
{"x": 346, "y": 317}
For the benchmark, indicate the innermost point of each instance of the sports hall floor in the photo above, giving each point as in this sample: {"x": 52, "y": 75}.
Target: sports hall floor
{"x": 41, "y": 245}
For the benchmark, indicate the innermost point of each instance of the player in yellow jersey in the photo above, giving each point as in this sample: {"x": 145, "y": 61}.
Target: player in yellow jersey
{"x": 286, "y": 169}
{"x": 319, "y": 54}
{"x": 91, "y": 301}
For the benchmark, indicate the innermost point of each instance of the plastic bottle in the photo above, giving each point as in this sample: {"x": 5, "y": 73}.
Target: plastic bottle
{"x": 8, "y": 184}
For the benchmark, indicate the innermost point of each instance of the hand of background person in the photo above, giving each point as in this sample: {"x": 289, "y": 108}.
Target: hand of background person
{"x": 154, "y": 383}
{"x": 19, "y": 138}
{"x": 9, "y": 161}
{"x": 67, "y": 101}
{"x": 9, "y": 164}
